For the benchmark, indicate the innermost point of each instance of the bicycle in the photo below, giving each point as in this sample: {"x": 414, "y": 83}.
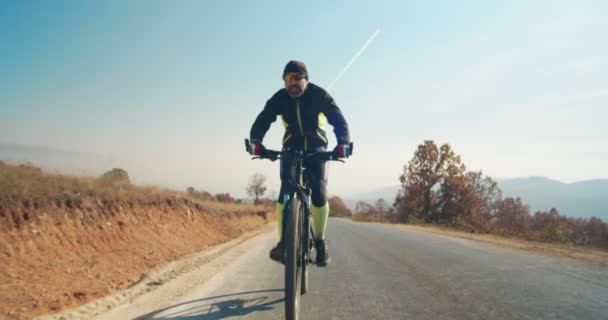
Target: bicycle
{"x": 297, "y": 243}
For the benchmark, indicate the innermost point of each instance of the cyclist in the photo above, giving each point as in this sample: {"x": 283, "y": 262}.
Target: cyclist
{"x": 305, "y": 108}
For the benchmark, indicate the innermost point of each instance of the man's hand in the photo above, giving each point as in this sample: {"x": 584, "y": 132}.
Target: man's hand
{"x": 256, "y": 148}
{"x": 342, "y": 151}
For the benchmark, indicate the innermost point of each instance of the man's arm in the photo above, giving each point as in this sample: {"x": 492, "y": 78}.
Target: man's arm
{"x": 264, "y": 120}
{"x": 336, "y": 119}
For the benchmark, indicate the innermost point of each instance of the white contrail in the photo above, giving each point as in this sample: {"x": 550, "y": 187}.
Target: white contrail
{"x": 367, "y": 43}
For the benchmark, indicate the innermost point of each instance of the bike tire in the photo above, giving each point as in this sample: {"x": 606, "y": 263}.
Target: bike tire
{"x": 306, "y": 245}
{"x": 292, "y": 254}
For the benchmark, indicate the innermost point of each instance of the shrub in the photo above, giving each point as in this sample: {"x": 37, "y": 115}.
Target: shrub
{"x": 116, "y": 177}
{"x": 337, "y": 207}
{"x": 224, "y": 197}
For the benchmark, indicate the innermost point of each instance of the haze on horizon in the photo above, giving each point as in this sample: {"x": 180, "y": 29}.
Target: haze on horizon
{"x": 169, "y": 91}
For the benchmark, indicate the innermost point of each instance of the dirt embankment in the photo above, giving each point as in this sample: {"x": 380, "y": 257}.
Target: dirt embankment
{"x": 60, "y": 252}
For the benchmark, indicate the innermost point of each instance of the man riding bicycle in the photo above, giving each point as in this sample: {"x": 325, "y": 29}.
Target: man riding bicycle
{"x": 305, "y": 108}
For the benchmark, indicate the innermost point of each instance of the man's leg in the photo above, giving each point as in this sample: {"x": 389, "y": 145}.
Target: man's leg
{"x": 320, "y": 210}
{"x": 320, "y": 215}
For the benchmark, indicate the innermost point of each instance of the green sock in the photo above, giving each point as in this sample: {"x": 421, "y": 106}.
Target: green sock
{"x": 319, "y": 215}
{"x": 279, "y": 208}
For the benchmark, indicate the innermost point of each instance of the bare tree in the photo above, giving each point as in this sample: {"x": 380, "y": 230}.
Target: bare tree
{"x": 381, "y": 206}
{"x": 256, "y": 187}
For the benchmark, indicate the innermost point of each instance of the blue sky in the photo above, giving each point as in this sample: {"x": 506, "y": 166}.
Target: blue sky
{"x": 170, "y": 89}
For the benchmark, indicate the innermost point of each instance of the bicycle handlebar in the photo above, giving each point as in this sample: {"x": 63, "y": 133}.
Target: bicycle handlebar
{"x": 273, "y": 155}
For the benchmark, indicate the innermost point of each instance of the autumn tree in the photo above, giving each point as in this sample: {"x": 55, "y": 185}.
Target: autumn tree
{"x": 598, "y": 232}
{"x": 256, "y": 187}
{"x": 455, "y": 199}
{"x": 337, "y": 207}
{"x": 467, "y": 200}
{"x": 512, "y": 217}
{"x": 436, "y": 188}
{"x": 488, "y": 192}
{"x": 591, "y": 231}
{"x": 408, "y": 204}
{"x": 429, "y": 166}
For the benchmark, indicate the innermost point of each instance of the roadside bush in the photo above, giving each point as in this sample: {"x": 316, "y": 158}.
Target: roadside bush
{"x": 337, "y": 207}
{"x": 224, "y": 197}
{"x": 201, "y": 195}
{"x": 116, "y": 177}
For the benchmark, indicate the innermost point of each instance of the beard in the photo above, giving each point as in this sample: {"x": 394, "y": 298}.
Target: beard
{"x": 295, "y": 91}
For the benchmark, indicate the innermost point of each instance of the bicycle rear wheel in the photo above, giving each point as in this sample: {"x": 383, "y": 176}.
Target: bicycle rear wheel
{"x": 293, "y": 270}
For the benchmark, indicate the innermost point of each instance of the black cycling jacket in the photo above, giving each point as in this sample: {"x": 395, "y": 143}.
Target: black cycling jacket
{"x": 304, "y": 119}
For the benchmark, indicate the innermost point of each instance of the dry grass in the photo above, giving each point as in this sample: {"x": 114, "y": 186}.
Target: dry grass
{"x": 31, "y": 184}
{"x": 24, "y": 188}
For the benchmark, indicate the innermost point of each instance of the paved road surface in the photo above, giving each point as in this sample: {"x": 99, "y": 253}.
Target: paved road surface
{"x": 385, "y": 272}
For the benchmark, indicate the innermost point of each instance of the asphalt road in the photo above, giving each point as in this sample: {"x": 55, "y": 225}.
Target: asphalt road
{"x": 384, "y": 272}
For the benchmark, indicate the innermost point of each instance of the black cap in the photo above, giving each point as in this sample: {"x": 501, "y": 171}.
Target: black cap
{"x": 295, "y": 66}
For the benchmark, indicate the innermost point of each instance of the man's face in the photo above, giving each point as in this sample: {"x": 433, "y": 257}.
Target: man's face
{"x": 295, "y": 84}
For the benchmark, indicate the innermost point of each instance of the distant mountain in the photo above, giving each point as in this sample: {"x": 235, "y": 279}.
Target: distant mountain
{"x": 69, "y": 162}
{"x": 386, "y": 193}
{"x": 581, "y": 199}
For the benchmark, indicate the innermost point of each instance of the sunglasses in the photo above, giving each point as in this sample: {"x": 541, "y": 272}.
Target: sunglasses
{"x": 296, "y": 77}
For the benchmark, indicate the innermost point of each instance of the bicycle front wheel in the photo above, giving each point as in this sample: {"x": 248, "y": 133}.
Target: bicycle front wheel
{"x": 293, "y": 271}
{"x": 306, "y": 237}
